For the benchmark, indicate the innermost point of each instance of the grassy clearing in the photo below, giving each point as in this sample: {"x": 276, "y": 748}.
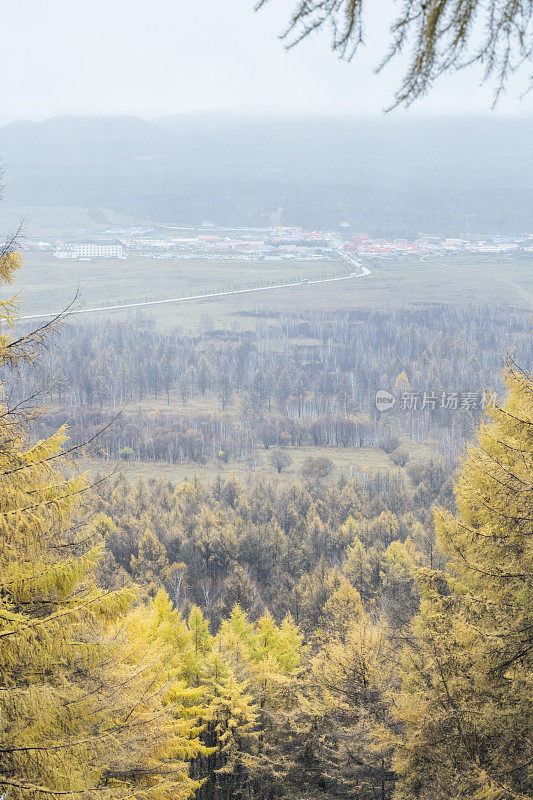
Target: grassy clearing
{"x": 202, "y": 404}
{"x": 350, "y": 461}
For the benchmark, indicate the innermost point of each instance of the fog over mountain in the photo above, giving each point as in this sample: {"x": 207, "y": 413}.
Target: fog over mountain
{"x": 389, "y": 175}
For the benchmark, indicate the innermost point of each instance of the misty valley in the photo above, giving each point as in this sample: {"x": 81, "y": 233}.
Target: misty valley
{"x": 266, "y": 400}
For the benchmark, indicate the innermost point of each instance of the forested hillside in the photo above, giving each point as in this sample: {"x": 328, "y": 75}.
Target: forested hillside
{"x": 266, "y": 400}
{"x": 388, "y": 176}
{"x": 272, "y": 637}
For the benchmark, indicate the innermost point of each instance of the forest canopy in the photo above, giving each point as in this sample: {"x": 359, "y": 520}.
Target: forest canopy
{"x": 266, "y": 638}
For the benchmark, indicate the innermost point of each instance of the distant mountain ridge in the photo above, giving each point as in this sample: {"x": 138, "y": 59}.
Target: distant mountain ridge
{"x": 390, "y": 176}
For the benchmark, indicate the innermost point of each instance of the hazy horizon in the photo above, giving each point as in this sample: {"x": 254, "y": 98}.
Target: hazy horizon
{"x": 234, "y": 114}
{"x": 207, "y": 58}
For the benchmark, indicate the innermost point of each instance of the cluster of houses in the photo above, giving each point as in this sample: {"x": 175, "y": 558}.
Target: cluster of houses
{"x": 252, "y": 245}
{"x": 262, "y": 244}
{"x": 366, "y": 245}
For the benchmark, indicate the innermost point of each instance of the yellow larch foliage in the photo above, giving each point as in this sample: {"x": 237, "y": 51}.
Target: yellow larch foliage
{"x": 467, "y": 699}
{"x": 86, "y": 709}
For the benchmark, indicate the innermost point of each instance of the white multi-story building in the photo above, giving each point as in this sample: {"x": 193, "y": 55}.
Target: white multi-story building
{"x": 110, "y": 249}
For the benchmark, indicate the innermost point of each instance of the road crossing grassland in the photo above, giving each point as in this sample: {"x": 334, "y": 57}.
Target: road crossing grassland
{"x": 45, "y": 284}
{"x": 350, "y": 261}
{"x": 212, "y": 295}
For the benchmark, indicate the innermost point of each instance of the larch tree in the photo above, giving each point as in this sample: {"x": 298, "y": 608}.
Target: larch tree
{"x": 337, "y": 736}
{"x": 467, "y": 694}
{"x": 357, "y": 568}
{"x": 83, "y": 705}
{"x": 264, "y": 659}
{"x": 229, "y": 720}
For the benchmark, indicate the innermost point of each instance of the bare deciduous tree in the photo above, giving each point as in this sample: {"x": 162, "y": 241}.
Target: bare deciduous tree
{"x": 280, "y": 459}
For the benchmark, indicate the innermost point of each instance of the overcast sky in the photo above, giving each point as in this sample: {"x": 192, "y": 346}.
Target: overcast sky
{"x": 157, "y": 57}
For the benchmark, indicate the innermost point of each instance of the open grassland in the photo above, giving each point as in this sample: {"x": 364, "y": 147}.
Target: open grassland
{"x": 349, "y": 462}
{"x": 46, "y": 222}
{"x": 47, "y": 284}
